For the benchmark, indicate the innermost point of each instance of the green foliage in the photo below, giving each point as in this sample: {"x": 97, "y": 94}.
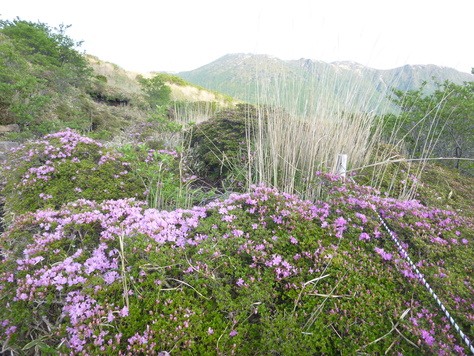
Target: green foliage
{"x": 440, "y": 124}
{"x": 159, "y": 131}
{"x": 64, "y": 167}
{"x": 51, "y": 52}
{"x": 21, "y": 91}
{"x": 163, "y": 170}
{"x": 42, "y": 45}
{"x": 170, "y": 78}
{"x": 395, "y": 179}
{"x": 221, "y": 143}
{"x": 156, "y": 89}
{"x": 101, "y": 78}
{"x": 262, "y": 273}
{"x": 173, "y": 79}
{"x": 164, "y": 174}
{"x": 163, "y": 120}
{"x": 38, "y": 66}
{"x": 447, "y": 189}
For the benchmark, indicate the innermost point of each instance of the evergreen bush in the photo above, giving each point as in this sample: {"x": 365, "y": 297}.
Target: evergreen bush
{"x": 221, "y": 143}
{"x": 261, "y": 273}
{"x": 61, "y": 168}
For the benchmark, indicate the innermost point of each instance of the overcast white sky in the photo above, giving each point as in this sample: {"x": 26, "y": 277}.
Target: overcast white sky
{"x": 179, "y": 35}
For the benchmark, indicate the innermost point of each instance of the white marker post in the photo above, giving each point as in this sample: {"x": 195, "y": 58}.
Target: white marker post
{"x": 341, "y": 165}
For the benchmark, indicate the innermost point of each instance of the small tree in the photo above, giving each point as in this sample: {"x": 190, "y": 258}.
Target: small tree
{"x": 158, "y": 93}
{"x": 48, "y": 50}
{"x": 38, "y": 66}
{"x": 441, "y": 123}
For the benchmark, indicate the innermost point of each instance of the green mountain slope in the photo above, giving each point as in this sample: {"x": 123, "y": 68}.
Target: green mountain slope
{"x": 300, "y": 84}
{"x": 126, "y": 84}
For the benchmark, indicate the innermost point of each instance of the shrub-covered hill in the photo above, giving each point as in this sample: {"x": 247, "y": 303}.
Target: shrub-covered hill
{"x": 124, "y": 87}
{"x": 46, "y": 85}
{"x": 261, "y": 273}
{"x": 104, "y": 253}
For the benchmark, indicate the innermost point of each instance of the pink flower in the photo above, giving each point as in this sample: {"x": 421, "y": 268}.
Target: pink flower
{"x": 385, "y": 255}
{"x": 237, "y": 233}
{"x": 340, "y": 221}
{"x": 124, "y": 312}
{"x": 364, "y": 236}
{"x": 427, "y": 337}
{"x": 228, "y": 218}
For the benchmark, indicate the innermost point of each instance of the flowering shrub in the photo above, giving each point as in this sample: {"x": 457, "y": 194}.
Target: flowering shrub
{"x": 165, "y": 175}
{"x": 160, "y": 163}
{"x": 259, "y": 273}
{"x": 63, "y": 167}
{"x": 431, "y": 184}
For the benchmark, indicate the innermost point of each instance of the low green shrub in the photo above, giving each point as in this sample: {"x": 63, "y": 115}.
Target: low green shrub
{"x": 221, "y": 143}
{"x": 261, "y": 273}
{"x": 165, "y": 175}
{"x": 395, "y": 179}
{"x": 61, "y": 168}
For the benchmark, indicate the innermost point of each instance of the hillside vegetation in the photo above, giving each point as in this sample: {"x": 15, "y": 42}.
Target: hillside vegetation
{"x": 47, "y": 85}
{"x": 143, "y": 215}
{"x": 268, "y": 79}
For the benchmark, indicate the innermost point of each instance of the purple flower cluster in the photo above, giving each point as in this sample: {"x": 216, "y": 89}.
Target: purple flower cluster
{"x": 114, "y": 277}
{"x": 63, "y": 167}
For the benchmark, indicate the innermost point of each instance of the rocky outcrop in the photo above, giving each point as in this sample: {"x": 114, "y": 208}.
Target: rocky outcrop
{"x": 9, "y": 128}
{"x": 5, "y": 147}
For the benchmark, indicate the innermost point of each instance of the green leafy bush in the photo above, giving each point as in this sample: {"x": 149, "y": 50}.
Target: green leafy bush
{"x": 164, "y": 173}
{"x": 64, "y": 167}
{"x": 221, "y": 143}
{"x": 262, "y": 273}
{"x": 439, "y": 124}
{"x": 156, "y": 89}
{"x": 156, "y": 159}
{"x": 39, "y": 66}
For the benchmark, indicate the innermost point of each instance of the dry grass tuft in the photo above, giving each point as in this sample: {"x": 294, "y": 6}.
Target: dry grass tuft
{"x": 293, "y": 144}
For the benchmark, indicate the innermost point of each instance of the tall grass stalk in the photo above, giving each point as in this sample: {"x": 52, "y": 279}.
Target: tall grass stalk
{"x": 293, "y": 144}
{"x": 321, "y": 120}
{"x": 123, "y": 271}
{"x": 423, "y": 134}
{"x": 194, "y": 112}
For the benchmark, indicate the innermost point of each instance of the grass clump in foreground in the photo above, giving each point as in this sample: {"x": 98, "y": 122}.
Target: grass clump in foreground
{"x": 257, "y": 274}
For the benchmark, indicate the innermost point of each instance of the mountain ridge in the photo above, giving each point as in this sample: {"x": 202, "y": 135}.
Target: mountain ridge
{"x": 242, "y": 75}
{"x": 348, "y": 61}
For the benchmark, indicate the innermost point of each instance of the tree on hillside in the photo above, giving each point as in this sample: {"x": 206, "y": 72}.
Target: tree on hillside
{"x": 156, "y": 89}
{"x": 21, "y": 92}
{"x": 50, "y": 49}
{"x": 37, "y": 64}
{"x": 440, "y": 124}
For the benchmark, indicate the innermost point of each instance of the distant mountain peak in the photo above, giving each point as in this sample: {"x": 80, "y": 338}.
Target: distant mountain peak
{"x": 235, "y": 55}
{"x": 241, "y": 74}
{"x": 347, "y": 63}
{"x": 351, "y": 66}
